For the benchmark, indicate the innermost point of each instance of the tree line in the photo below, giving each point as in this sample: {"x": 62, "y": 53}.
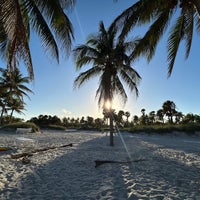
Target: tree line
{"x": 122, "y": 119}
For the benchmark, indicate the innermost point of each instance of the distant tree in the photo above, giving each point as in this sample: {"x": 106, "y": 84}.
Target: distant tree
{"x": 143, "y": 118}
{"x": 169, "y": 109}
{"x": 135, "y": 119}
{"x": 160, "y": 115}
{"x": 189, "y": 118}
{"x": 55, "y": 120}
{"x": 178, "y": 117}
{"x": 197, "y": 119}
{"x": 120, "y": 115}
{"x": 152, "y": 117}
{"x": 98, "y": 123}
{"x": 65, "y": 121}
{"x": 143, "y": 111}
{"x": 127, "y": 115}
{"x": 82, "y": 121}
{"x": 90, "y": 120}
{"x": 46, "y": 120}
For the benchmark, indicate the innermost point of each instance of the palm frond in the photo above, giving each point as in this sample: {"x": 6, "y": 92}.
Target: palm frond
{"x": 147, "y": 45}
{"x": 119, "y": 89}
{"x": 196, "y": 5}
{"x": 131, "y": 78}
{"x": 16, "y": 32}
{"x": 3, "y": 42}
{"x": 176, "y": 35}
{"x": 41, "y": 27}
{"x": 197, "y": 22}
{"x": 85, "y": 76}
{"x": 105, "y": 90}
{"x": 84, "y": 54}
{"x": 188, "y": 29}
{"x": 59, "y": 22}
{"x": 139, "y": 13}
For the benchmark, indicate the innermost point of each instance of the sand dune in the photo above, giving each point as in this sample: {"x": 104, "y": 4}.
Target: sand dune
{"x": 169, "y": 167}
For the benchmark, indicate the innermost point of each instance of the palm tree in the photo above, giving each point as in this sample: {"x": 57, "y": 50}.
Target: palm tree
{"x": 169, "y": 109}
{"x": 127, "y": 114}
{"x": 17, "y": 105}
{"x": 46, "y": 18}
{"x": 178, "y": 116}
{"x": 152, "y": 115}
{"x": 110, "y": 61}
{"x": 143, "y": 111}
{"x": 160, "y": 115}
{"x": 135, "y": 119}
{"x": 12, "y": 86}
{"x": 160, "y": 13}
{"x": 120, "y": 115}
{"x": 143, "y": 118}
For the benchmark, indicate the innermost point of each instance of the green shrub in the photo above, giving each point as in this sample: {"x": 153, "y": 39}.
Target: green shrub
{"x": 14, "y": 126}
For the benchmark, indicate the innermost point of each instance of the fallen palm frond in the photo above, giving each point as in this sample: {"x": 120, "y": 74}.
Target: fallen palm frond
{"x": 28, "y": 154}
{"x": 100, "y": 162}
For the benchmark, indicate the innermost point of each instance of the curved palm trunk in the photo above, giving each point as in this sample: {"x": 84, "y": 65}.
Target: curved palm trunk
{"x": 11, "y": 114}
{"x": 2, "y": 112}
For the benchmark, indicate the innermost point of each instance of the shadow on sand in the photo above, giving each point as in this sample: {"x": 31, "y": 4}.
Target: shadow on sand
{"x": 73, "y": 176}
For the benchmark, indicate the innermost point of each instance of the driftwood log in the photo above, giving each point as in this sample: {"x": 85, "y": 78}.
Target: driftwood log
{"x": 101, "y": 162}
{"x": 28, "y": 154}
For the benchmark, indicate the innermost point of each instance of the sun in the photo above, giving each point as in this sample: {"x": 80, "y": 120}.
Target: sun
{"x": 107, "y": 105}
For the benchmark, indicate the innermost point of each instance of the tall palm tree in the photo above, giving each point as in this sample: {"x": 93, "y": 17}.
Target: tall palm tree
{"x": 110, "y": 61}
{"x": 159, "y": 14}
{"x": 46, "y": 18}
{"x": 12, "y": 86}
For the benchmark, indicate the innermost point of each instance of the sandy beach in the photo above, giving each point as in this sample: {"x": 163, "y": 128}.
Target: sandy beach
{"x": 164, "y": 167}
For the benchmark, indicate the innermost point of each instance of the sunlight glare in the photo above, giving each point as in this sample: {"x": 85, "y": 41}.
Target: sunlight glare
{"x": 108, "y": 105}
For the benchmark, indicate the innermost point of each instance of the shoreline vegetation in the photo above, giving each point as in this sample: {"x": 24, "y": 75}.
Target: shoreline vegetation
{"x": 165, "y": 120}
{"x": 189, "y": 129}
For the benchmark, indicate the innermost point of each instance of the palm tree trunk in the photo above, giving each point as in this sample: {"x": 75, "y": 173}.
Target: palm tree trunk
{"x": 111, "y": 130}
{"x": 11, "y": 114}
{"x": 2, "y": 112}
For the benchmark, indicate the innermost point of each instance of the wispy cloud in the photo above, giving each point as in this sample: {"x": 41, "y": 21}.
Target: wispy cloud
{"x": 66, "y": 112}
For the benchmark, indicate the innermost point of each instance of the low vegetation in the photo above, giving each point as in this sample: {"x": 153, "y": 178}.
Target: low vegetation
{"x": 166, "y": 128}
{"x": 14, "y": 126}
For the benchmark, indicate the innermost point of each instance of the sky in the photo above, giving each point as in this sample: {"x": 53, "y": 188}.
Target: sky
{"x": 53, "y": 85}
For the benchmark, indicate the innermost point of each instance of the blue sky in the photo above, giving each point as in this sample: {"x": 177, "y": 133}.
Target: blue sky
{"x": 53, "y": 84}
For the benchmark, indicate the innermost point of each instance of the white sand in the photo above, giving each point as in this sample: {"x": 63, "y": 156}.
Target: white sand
{"x": 170, "y": 169}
